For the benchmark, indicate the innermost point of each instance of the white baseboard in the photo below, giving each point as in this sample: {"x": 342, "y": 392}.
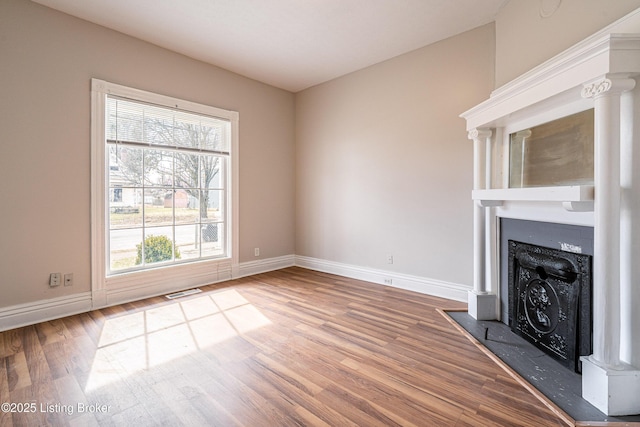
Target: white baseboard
{"x": 422, "y": 285}
{"x": 264, "y": 265}
{"x": 41, "y": 311}
{"x": 44, "y": 310}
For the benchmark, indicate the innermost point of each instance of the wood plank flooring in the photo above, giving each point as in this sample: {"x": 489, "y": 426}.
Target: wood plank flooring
{"x": 287, "y": 348}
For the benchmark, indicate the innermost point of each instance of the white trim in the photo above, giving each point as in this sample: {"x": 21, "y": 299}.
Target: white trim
{"x": 31, "y": 313}
{"x": 98, "y": 265}
{"x": 569, "y": 193}
{"x": 553, "y": 83}
{"x": 613, "y": 391}
{"x": 161, "y": 281}
{"x": 422, "y": 285}
{"x": 201, "y": 274}
{"x": 264, "y": 265}
{"x": 109, "y": 88}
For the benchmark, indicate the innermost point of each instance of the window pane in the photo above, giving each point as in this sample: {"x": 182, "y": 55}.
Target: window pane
{"x": 158, "y": 126}
{"x": 124, "y": 121}
{"x": 211, "y": 171}
{"x": 213, "y": 200}
{"x": 215, "y": 134}
{"x": 212, "y": 240}
{"x": 125, "y": 207}
{"x": 158, "y": 245}
{"x": 158, "y": 206}
{"x": 125, "y": 166}
{"x": 187, "y": 170}
{"x": 188, "y": 241}
{"x": 187, "y": 131}
{"x": 123, "y": 248}
{"x": 187, "y": 206}
{"x": 158, "y": 168}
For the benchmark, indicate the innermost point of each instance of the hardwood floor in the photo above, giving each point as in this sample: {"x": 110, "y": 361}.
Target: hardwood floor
{"x": 287, "y": 348}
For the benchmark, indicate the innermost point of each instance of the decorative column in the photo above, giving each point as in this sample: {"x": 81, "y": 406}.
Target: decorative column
{"x": 630, "y": 227}
{"x": 482, "y": 304}
{"x": 607, "y": 383}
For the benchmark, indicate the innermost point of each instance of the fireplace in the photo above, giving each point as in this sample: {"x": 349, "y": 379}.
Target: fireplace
{"x": 592, "y": 87}
{"x": 562, "y": 256}
{"x": 550, "y": 300}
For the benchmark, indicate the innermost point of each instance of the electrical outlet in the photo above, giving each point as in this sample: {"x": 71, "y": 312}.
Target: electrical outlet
{"x": 68, "y": 279}
{"x": 256, "y": 252}
{"x": 54, "y": 280}
{"x": 388, "y": 281}
{"x": 389, "y": 259}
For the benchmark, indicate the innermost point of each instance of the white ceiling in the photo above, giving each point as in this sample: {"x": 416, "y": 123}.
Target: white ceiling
{"x": 291, "y": 44}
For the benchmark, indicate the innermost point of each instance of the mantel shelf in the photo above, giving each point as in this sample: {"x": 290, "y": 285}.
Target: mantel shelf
{"x": 573, "y": 197}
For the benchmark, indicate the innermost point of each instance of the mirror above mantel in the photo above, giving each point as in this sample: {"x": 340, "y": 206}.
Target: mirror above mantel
{"x": 548, "y": 162}
{"x": 556, "y": 153}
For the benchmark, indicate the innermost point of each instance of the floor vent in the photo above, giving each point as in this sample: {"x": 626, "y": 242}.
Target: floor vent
{"x": 183, "y": 293}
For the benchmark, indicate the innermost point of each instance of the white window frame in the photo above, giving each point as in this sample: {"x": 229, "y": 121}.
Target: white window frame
{"x": 118, "y": 288}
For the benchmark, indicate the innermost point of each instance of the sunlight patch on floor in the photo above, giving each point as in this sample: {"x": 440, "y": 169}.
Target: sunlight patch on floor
{"x": 150, "y": 338}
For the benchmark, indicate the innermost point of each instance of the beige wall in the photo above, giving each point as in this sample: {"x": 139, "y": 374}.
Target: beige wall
{"x": 46, "y": 62}
{"x": 384, "y": 165}
{"x": 525, "y": 39}
{"x": 373, "y": 163}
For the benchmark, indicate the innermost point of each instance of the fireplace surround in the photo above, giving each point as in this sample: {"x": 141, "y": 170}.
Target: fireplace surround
{"x": 599, "y": 73}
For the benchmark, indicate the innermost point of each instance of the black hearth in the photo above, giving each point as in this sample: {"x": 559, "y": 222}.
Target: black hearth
{"x": 550, "y": 300}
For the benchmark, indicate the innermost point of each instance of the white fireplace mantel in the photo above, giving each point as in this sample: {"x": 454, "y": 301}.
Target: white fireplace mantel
{"x": 572, "y": 197}
{"x": 600, "y": 73}
{"x": 558, "y": 83}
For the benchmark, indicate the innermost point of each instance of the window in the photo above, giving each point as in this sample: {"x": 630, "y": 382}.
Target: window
{"x": 162, "y": 191}
{"x": 166, "y": 185}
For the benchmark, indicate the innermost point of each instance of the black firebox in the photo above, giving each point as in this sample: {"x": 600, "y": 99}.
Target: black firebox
{"x": 550, "y": 300}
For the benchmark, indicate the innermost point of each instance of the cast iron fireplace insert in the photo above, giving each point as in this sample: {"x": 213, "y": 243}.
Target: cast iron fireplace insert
{"x": 550, "y": 300}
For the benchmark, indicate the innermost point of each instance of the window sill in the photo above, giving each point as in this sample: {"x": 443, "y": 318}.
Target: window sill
{"x": 135, "y": 285}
